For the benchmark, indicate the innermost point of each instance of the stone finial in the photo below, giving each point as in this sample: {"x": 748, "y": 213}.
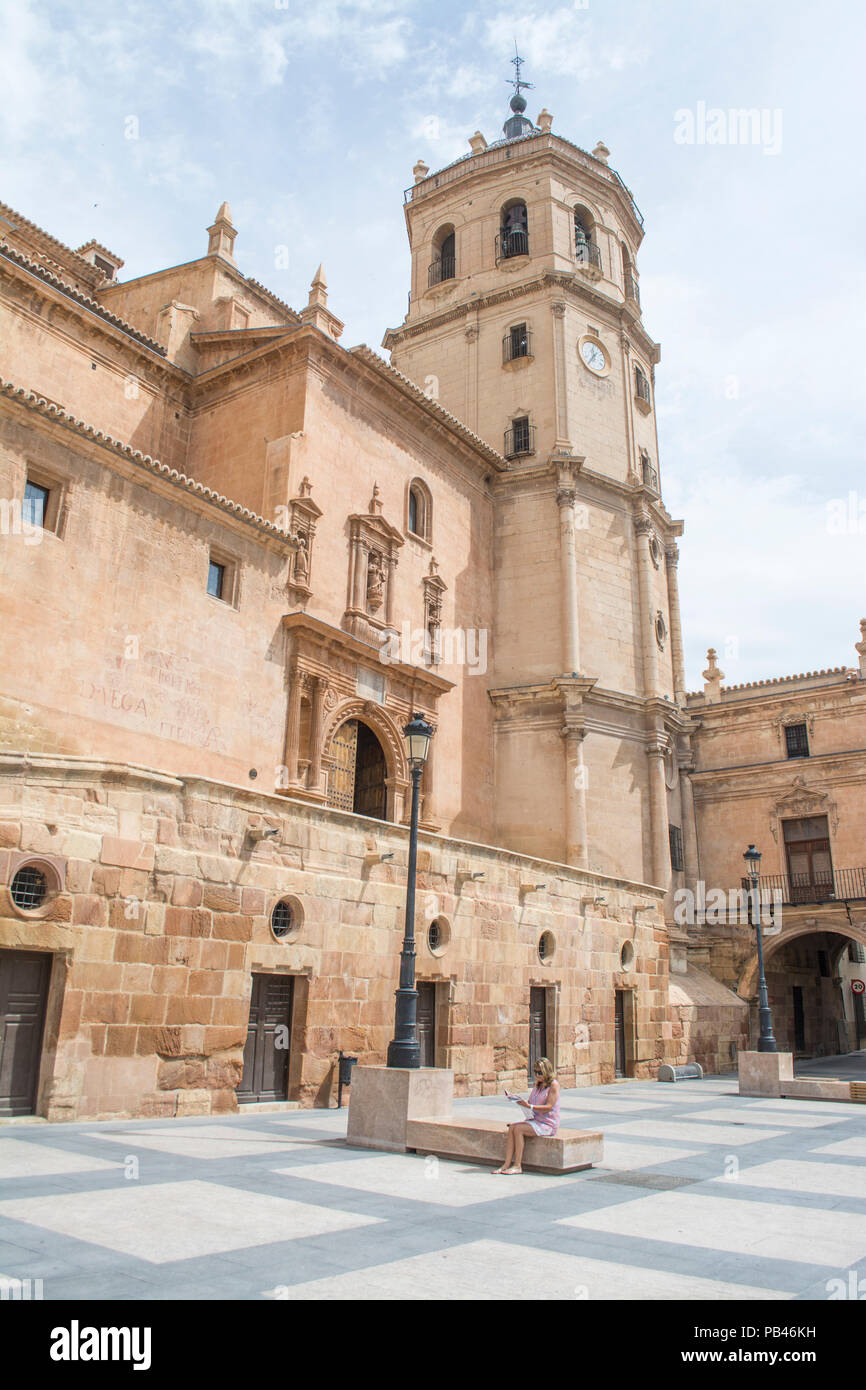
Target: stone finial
{"x": 601, "y": 152}
{"x": 477, "y": 142}
{"x": 421, "y": 170}
{"x": 713, "y": 677}
{"x": 316, "y": 311}
{"x": 318, "y": 289}
{"x": 375, "y": 501}
{"x": 545, "y": 122}
{"x": 221, "y": 236}
{"x": 860, "y": 647}
{"x": 306, "y": 486}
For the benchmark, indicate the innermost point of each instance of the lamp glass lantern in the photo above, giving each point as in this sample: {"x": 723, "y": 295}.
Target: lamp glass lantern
{"x": 417, "y": 735}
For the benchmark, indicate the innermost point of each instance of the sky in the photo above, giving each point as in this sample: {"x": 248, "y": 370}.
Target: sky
{"x": 132, "y": 123}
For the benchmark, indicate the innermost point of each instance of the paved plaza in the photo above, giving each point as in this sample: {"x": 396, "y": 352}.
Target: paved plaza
{"x": 702, "y": 1195}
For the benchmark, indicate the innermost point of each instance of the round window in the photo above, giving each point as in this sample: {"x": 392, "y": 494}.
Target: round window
{"x": 438, "y": 936}
{"x": 29, "y": 888}
{"x": 546, "y": 947}
{"x": 282, "y": 920}
{"x": 661, "y": 630}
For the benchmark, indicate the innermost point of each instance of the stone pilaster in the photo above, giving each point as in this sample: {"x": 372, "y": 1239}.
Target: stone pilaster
{"x": 661, "y": 854}
{"x": 672, "y": 556}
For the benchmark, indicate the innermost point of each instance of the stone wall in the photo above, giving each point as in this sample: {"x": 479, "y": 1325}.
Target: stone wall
{"x": 162, "y": 915}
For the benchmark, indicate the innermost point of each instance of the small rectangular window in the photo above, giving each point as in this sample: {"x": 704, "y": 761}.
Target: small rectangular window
{"x": 216, "y": 580}
{"x": 675, "y": 835}
{"x": 35, "y": 509}
{"x": 521, "y": 435}
{"x": 824, "y": 965}
{"x": 797, "y": 740}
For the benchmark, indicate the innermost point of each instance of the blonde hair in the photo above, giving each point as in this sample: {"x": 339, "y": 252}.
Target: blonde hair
{"x": 546, "y": 1066}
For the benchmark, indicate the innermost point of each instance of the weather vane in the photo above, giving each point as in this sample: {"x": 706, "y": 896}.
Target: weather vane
{"x": 516, "y": 82}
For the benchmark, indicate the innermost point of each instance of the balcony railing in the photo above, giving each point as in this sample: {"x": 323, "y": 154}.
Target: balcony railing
{"x": 836, "y": 885}
{"x": 632, "y": 291}
{"x": 441, "y": 269}
{"x": 510, "y": 244}
{"x": 520, "y": 439}
{"x": 642, "y": 387}
{"x": 586, "y": 253}
{"x": 516, "y": 345}
{"x": 650, "y": 476}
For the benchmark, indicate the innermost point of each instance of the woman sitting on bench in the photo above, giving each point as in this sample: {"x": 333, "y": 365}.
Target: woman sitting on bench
{"x": 543, "y": 1121}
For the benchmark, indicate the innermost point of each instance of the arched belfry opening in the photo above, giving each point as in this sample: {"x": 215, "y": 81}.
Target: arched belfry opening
{"x": 513, "y": 230}
{"x": 357, "y": 780}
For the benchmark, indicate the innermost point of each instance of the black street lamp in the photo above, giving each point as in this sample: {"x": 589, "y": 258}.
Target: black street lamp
{"x": 766, "y": 1041}
{"x": 404, "y": 1050}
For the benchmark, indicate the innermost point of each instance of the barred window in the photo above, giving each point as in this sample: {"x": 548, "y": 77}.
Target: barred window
{"x": 797, "y": 740}
{"x": 675, "y": 834}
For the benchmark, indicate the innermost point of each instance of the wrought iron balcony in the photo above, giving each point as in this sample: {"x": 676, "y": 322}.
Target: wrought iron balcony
{"x": 632, "y": 291}
{"x": 642, "y": 386}
{"x": 510, "y": 244}
{"x": 442, "y": 269}
{"x": 587, "y": 253}
{"x": 650, "y": 476}
{"x": 516, "y": 343}
{"x": 519, "y": 439}
{"x": 834, "y": 886}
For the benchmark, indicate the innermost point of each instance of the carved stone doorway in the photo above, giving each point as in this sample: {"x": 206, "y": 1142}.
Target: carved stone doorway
{"x": 357, "y": 780}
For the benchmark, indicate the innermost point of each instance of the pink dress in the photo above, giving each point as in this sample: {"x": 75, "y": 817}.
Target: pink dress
{"x": 547, "y": 1123}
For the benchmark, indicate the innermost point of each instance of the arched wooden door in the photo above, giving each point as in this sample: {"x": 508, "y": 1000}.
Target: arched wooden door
{"x": 357, "y": 780}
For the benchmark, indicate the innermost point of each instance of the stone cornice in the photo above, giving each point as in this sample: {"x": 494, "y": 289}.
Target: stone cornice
{"x": 23, "y": 399}
{"x": 823, "y": 763}
{"x": 517, "y": 152}
{"x": 325, "y": 635}
{"x": 83, "y": 301}
{"x": 563, "y": 280}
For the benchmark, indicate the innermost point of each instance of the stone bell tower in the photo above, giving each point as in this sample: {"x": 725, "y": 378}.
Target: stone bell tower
{"x": 525, "y": 322}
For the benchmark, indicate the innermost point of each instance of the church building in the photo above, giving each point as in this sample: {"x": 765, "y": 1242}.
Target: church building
{"x": 238, "y": 556}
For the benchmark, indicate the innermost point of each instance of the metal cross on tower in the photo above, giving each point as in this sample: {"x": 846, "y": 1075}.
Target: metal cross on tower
{"x": 516, "y": 82}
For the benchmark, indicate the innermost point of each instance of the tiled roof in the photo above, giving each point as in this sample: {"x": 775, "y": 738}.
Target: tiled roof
{"x": 24, "y": 224}
{"x": 84, "y": 300}
{"x": 32, "y": 401}
{"x": 778, "y": 680}
{"x": 385, "y": 369}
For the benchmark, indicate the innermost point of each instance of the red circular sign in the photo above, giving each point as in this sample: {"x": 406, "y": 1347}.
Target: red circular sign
{"x": 858, "y": 986}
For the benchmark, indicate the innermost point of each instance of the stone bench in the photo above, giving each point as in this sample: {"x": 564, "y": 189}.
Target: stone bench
{"x": 483, "y": 1141}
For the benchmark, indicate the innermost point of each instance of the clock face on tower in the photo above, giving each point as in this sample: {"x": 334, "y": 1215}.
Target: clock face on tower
{"x": 593, "y": 355}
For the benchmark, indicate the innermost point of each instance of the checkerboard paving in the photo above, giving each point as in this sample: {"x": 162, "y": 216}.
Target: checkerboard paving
{"x": 701, "y": 1195}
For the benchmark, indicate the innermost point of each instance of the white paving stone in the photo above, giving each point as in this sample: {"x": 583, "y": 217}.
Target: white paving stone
{"x": 750, "y": 1115}
{"x": 704, "y": 1134}
{"x": 192, "y": 1141}
{"x": 440, "y": 1181}
{"x": 846, "y": 1148}
{"x": 179, "y": 1220}
{"x": 490, "y": 1269}
{"x": 834, "y": 1180}
{"x": 761, "y": 1228}
{"x": 18, "y": 1159}
{"x": 625, "y": 1154}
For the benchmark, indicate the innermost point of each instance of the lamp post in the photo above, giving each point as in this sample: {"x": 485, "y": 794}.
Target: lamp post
{"x": 404, "y": 1049}
{"x": 766, "y": 1041}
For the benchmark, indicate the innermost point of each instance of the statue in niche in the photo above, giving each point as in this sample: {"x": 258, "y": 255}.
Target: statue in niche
{"x": 375, "y": 581}
{"x": 302, "y": 560}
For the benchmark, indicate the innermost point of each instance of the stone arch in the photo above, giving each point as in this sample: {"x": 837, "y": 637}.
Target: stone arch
{"x": 747, "y": 986}
{"x": 390, "y": 739}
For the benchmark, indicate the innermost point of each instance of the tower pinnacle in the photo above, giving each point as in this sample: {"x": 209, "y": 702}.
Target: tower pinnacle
{"x": 517, "y": 124}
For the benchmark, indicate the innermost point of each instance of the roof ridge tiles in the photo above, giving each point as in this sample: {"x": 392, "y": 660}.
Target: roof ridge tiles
{"x": 93, "y": 305}
{"x": 25, "y": 222}
{"x": 33, "y": 401}
{"x": 368, "y": 355}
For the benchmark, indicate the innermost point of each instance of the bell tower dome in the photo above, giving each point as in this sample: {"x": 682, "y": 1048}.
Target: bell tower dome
{"x": 525, "y": 323}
